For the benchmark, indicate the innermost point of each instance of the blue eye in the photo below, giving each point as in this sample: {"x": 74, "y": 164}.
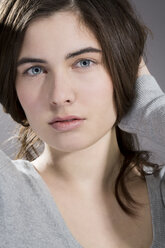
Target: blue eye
{"x": 84, "y": 63}
{"x": 33, "y": 71}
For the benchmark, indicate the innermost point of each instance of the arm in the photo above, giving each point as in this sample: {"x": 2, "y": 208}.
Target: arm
{"x": 147, "y": 115}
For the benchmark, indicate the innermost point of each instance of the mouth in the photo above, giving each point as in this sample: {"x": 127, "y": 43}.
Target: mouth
{"x": 67, "y": 125}
{"x": 66, "y": 119}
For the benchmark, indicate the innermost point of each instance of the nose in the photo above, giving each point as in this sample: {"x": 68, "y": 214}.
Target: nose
{"x": 61, "y": 91}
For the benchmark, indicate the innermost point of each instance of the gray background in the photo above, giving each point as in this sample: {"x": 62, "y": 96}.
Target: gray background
{"x": 152, "y": 13}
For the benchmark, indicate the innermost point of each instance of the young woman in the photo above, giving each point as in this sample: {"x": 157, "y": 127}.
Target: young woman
{"x": 68, "y": 72}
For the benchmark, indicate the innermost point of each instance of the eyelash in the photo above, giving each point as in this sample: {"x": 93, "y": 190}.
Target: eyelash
{"x": 81, "y": 60}
{"x": 26, "y": 72}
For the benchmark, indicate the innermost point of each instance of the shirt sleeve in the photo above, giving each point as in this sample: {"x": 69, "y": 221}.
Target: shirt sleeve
{"x": 146, "y": 117}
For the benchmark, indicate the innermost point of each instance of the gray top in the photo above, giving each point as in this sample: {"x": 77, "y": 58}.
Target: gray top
{"x": 147, "y": 115}
{"x": 29, "y": 217}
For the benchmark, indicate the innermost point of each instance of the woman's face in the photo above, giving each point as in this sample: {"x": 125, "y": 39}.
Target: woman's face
{"x": 64, "y": 82}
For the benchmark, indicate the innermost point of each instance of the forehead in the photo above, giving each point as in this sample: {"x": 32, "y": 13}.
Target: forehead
{"x": 61, "y": 31}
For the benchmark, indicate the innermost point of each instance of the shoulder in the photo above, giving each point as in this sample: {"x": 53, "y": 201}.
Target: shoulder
{"x": 14, "y": 167}
{"x": 16, "y": 178}
{"x": 5, "y": 161}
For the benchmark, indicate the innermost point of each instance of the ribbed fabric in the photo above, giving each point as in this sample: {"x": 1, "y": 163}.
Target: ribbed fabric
{"x": 147, "y": 115}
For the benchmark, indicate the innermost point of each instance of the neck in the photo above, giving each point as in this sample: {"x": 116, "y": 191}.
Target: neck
{"x": 93, "y": 168}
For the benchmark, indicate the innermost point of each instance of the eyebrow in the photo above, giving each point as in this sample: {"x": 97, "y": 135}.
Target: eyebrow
{"x": 68, "y": 56}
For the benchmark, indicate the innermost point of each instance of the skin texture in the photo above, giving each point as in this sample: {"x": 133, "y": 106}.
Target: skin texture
{"x": 143, "y": 70}
{"x": 78, "y": 166}
{"x": 90, "y": 152}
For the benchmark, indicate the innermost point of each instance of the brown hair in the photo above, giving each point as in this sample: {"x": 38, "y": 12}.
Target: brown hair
{"x": 122, "y": 38}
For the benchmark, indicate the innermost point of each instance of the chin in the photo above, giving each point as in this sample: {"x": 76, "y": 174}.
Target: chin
{"x": 71, "y": 146}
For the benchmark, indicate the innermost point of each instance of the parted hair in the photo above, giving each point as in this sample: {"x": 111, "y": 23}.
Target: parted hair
{"x": 122, "y": 37}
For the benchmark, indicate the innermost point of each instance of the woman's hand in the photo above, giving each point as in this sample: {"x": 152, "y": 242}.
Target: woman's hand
{"x": 143, "y": 70}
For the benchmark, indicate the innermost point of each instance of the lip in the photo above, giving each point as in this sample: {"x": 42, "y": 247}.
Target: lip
{"x": 66, "y": 118}
{"x": 64, "y": 126}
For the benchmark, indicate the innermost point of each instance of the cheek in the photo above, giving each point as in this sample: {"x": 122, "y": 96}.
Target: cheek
{"x": 105, "y": 104}
{"x": 27, "y": 98}
{"x": 99, "y": 100}
{"x": 99, "y": 93}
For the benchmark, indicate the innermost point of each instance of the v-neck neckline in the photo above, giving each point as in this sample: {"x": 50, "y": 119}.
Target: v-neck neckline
{"x": 50, "y": 201}
{"x": 54, "y": 208}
